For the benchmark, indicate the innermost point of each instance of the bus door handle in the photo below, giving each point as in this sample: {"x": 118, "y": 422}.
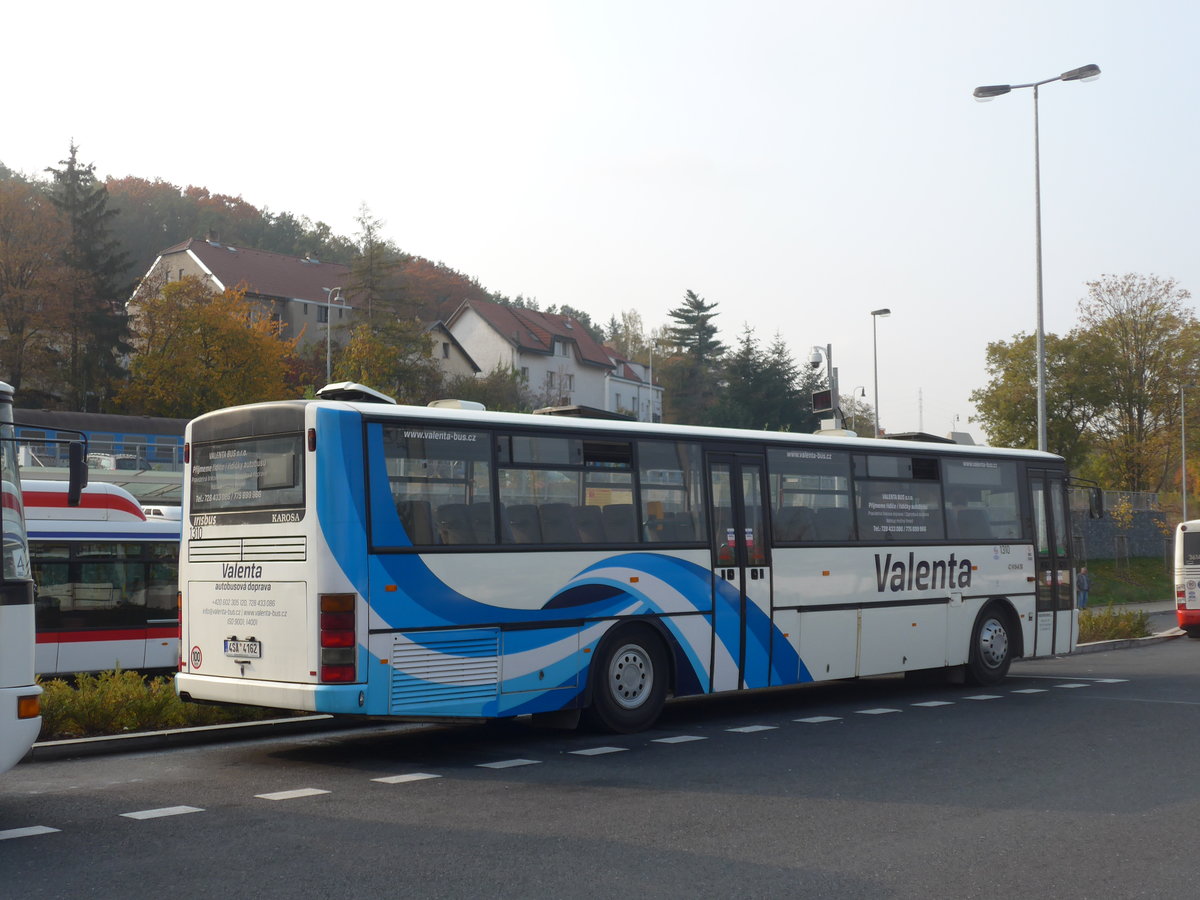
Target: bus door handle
{"x": 729, "y": 574}
{"x": 756, "y": 574}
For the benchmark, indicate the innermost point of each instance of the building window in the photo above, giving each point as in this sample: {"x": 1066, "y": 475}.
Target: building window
{"x": 322, "y": 314}
{"x": 445, "y": 350}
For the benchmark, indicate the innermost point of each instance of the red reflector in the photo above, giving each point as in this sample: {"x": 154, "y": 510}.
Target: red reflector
{"x": 337, "y": 621}
{"x": 312, "y": 439}
{"x": 187, "y": 453}
{"x": 337, "y": 673}
{"x": 337, "y": 638}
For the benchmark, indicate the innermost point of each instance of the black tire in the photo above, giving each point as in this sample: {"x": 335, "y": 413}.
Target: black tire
{"x": 629, "y": 680}
{"x": 1193, "y": 631}
{"x": 991, "y": 646}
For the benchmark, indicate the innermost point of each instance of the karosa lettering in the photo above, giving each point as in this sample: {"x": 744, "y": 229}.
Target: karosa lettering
{"x": 241, "y": 570}
{"x": 921, "y": 575}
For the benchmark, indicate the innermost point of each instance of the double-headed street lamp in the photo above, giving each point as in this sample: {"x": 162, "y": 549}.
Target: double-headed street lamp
{"x": 988, "y": 92}
{"x": 875, "y": 314}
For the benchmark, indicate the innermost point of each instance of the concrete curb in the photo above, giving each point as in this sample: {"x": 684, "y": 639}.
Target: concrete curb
{"x": 183, "y": 737}
{"x": 1100, "y": 646}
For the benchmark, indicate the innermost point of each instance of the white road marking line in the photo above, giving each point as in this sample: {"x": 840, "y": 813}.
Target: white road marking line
{"x": 679, "y": 739}
{"x": 983, "y": 697}
{"x": 598, "y": 751}
{"x": 405, "y": 779}
{"x": 751, "y": 729}
{"x": 1112, "y": 680}
{"x": 1030, "y": 691}
{"x": 932, "y": 703}
{"x": 160, "y": 813}
{"x": 31, "y": 831}
{"x": 1072, "y": 685}
{"x": 291, "y": 795}
{"x": 875, "y": 712}
{"x": 817, "y": 720}
{"x": 509, "y": 764}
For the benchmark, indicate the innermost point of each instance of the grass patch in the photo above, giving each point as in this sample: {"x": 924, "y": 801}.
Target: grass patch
{"x": 1112, "y": 623}
{"x": 120, "y": 702}
{"x": 1138, "y": 580}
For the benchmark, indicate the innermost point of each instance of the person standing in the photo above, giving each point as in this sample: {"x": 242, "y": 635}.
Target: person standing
{"x": 1082, "y": 584}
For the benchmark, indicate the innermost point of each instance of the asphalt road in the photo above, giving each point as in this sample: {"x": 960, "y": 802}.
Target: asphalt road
{"x": 1065, "y": 781}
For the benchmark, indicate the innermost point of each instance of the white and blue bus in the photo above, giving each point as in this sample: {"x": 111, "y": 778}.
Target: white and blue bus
{"x": 348, "y": 555}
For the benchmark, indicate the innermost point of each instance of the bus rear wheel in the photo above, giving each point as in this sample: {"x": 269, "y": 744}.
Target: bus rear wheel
{"x": 629, "y": 681}
{"x": 1192, "y": 631}
{"x": 991, "y": 646}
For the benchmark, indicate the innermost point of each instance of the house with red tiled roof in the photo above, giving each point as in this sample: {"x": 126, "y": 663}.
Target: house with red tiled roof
{"x": 562, "y": 364}
{"x": 298, "y": 292}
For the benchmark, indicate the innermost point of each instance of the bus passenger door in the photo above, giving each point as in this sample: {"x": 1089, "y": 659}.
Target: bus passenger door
{"x": 1056, "y": 629}
{"x": 741, "y": 572}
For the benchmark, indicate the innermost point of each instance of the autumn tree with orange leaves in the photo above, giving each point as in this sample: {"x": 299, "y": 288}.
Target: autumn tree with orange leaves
{"x": 198, "y": 351}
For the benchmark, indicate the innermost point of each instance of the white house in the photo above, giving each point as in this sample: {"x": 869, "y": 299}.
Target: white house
{"x": 562, "y": 364}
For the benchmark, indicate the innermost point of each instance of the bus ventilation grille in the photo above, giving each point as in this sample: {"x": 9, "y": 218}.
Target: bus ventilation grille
{"x": 441, "y": 668}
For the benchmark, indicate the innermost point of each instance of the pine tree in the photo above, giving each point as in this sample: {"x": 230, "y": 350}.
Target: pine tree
{"x": 691, "y": 374}
{"x": 96, "y": 338}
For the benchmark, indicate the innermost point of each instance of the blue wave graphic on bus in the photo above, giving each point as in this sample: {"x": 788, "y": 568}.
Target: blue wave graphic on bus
{"x": 678, "y": 594}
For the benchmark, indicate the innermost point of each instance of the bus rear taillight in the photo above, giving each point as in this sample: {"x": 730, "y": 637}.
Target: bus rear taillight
{"x": 337, "y": 638}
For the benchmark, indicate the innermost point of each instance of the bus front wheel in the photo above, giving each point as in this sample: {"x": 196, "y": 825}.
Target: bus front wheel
{"x": 991, "y": 646}
{"x": 629, "y": 681}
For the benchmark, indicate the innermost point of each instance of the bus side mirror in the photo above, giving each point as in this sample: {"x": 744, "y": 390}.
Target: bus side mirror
{"x": 78, "y": 473}
{"x": 1096, "y": 503}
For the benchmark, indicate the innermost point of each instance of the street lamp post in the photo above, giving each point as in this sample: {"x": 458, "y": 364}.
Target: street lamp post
{"x": 875, "y": 314}
{"x": 989, "y": 92}
{"x": 335, "y": 296}
{"x": 1183, "y": 449}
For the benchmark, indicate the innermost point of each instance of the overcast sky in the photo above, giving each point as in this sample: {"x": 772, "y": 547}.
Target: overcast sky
{"x": 798, "y": 163}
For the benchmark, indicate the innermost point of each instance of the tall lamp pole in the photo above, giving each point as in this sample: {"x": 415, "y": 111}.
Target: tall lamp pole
{"x": 989, "y": 92}
{"x": 1183, "y": 449}
{"x": 335, "y": 295}
{"x": 875, "y": 314}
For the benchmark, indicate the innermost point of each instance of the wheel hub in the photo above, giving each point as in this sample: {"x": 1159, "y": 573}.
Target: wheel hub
{"x": 993, "y": 643}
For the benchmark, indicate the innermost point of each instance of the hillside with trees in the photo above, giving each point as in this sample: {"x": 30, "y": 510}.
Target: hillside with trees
{"x": 73, "y": 247}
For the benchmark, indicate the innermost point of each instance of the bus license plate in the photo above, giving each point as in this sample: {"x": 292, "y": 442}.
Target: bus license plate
{"x": 244, "y": 649}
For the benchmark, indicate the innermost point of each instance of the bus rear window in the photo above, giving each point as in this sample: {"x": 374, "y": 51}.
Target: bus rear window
{"x": 258, "y": 473}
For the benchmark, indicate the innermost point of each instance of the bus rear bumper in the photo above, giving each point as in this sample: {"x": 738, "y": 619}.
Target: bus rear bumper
{"x": 1188, "y": 618}
{"x": 19, "y": 734}
{"x": 322, "y": 698}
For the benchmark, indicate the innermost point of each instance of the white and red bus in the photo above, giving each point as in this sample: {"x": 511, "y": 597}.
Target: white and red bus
{"x": 106, "y": 578}
{"x": 1187, "y": 577}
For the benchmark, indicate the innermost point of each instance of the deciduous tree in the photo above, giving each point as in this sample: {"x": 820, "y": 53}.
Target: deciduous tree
{"x": 33, "y": 281}
{"x": 197, "y": 351}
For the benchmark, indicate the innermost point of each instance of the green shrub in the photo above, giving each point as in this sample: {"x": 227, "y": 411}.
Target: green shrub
{"x": 1111, "y": 623}
{"x": 119, "y": 702}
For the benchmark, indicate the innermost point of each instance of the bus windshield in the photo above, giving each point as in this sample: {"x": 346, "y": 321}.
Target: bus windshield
{"x": 16, "y": 541}
{"x": 255, "y": 474}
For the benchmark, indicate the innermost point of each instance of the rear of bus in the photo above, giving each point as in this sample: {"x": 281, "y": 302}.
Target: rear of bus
{"x": 268, "y": 618}
{"x": 1187, "y": 577}
{"x": 20, "y": 697}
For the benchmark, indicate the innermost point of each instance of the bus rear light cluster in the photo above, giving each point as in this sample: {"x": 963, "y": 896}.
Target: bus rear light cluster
{"x": 337, "y": 638}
